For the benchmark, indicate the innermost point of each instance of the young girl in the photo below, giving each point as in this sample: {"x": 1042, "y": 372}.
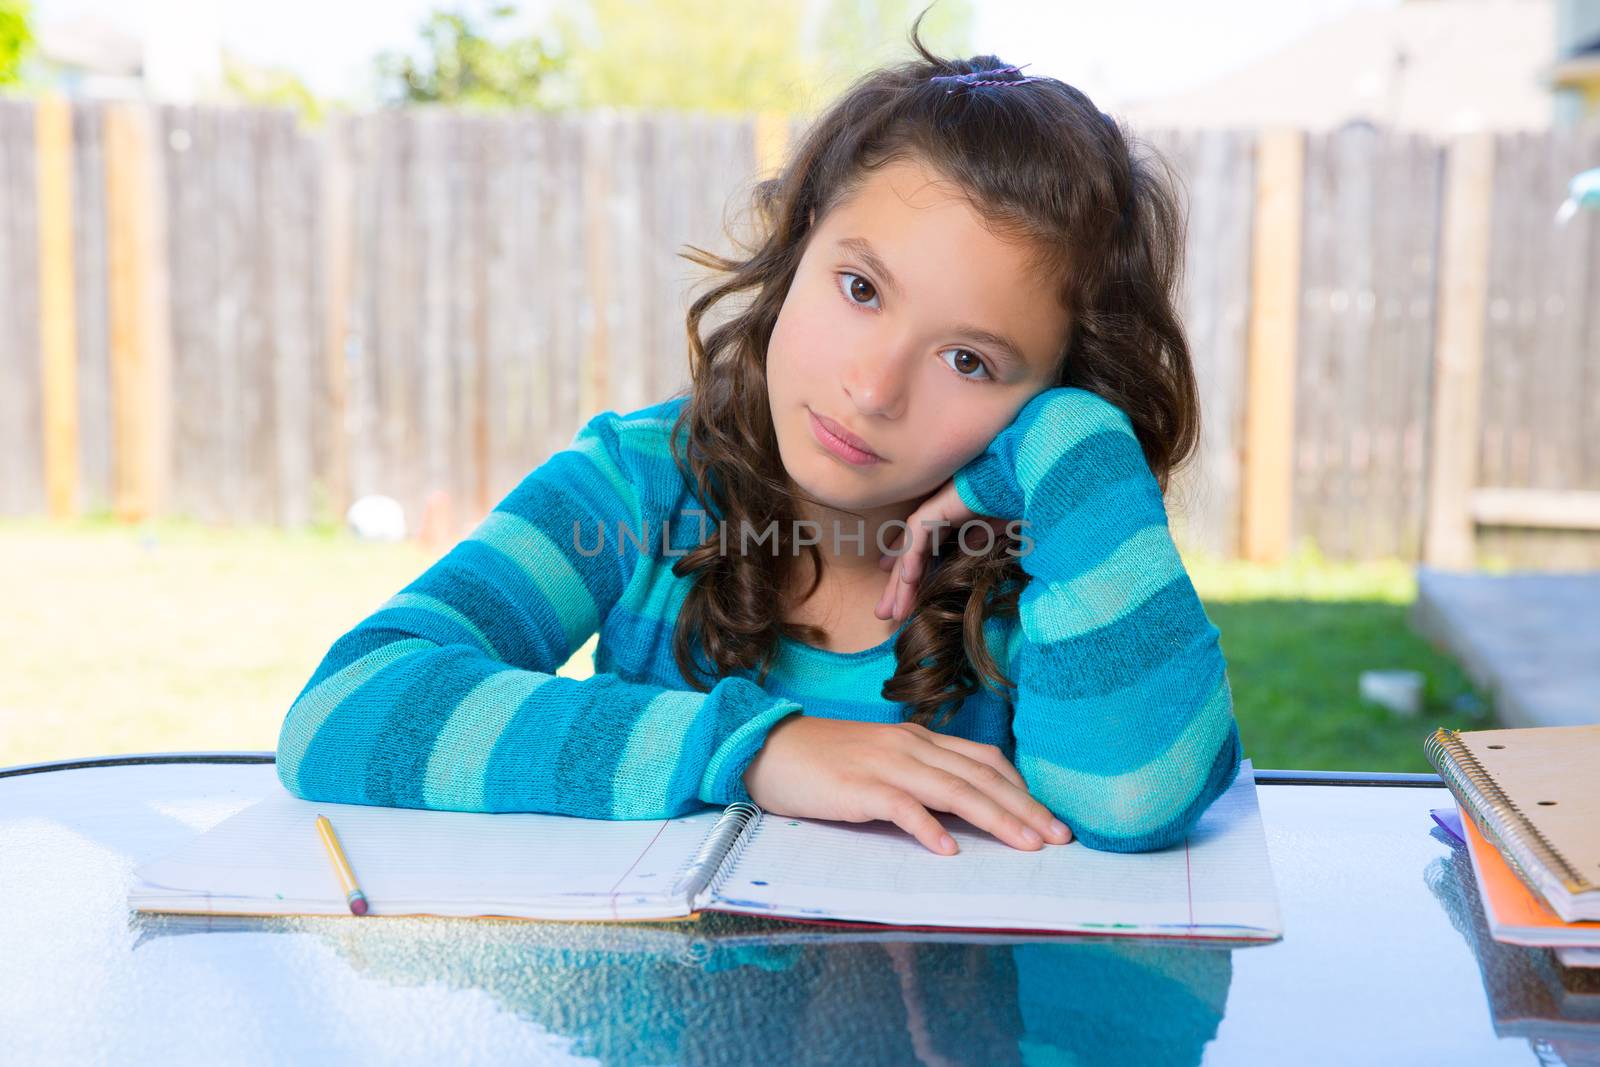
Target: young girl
{"x": 900, "y": 548}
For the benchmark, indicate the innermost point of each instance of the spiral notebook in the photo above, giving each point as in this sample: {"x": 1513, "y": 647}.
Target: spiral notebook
{"x": 1534, "y": 793}
{"x": 268, "y": 860}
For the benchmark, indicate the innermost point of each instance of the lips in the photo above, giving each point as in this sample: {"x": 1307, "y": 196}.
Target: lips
{"x": 845, "y": 435}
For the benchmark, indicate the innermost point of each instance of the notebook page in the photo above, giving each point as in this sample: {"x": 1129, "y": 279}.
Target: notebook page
{"x": 268, "y": 859}
{"x": 1218, "y": 883}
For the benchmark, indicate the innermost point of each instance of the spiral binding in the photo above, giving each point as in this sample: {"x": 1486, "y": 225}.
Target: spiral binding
{"x": 724, "y": 869}
{"x": 1522, "y": 845}
{"x": 722, "y": 845}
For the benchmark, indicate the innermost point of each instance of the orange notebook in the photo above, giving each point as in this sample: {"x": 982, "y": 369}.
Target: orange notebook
{"x": 1515, "y": 914}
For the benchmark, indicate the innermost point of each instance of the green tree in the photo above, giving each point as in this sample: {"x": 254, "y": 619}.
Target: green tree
{"x": 273, "y": 86}
{"x": 700, "y": 55}
{"x": 707, "y": 55}
{"x": 855, "y": 35}
{"x": 465, "y": 65}
{"x": 696, "y": 55}
{"x": 16, "y": 39}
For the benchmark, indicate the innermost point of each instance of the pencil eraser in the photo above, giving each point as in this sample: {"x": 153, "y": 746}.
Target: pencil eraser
{"x": 359, "y": 905}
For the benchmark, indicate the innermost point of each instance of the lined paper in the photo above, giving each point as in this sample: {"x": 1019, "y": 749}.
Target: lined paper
{"x": 267, "y": 859}
{"x": 1218, "y": 883}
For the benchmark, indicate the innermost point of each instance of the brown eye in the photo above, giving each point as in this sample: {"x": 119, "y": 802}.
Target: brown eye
{"x": 966, "y": 364}
{"x": 854, "y": 284}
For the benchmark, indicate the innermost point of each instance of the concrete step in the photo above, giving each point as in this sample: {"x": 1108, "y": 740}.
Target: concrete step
{"x": 1529, "y": 639}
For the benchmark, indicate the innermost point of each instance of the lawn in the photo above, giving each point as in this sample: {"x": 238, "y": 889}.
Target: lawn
{"x": 1297, "y": 637}
{"x": 173, "y": 636}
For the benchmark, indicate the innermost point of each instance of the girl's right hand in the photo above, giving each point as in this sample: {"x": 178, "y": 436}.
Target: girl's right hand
{"x": 821, "y": 768}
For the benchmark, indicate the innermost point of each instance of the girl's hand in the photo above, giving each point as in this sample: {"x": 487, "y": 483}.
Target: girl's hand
{"x": 937, "y": 519}
{"x": 821, "y": 768}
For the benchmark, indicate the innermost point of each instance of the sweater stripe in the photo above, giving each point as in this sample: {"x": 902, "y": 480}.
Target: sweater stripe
{"x": 425, "y": 691}
{"x": 1160, "y": 632}
{"x": 1039, "y": 455}
{"x": 547, "y": 568}
{"x": 668, "y": 719}
{"x": 409, "y": 604}
{"x": 458, "y": 763}
{"x": 1103, "y": 743}
{"x": 1148, "y": 798}
{"x": 312, "y": 710}
{"x": 1136, "y": 571}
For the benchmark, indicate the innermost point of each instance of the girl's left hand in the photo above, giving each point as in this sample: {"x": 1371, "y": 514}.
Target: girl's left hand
{"x": 938, "y": 518}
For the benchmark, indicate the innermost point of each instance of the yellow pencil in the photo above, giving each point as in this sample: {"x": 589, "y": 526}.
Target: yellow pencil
{"x": 341, "y": 866}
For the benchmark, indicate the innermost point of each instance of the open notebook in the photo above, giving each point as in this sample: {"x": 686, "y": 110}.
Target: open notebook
{"x": 267, "y": 860}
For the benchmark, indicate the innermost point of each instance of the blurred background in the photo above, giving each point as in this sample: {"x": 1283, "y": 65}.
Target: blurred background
{"x": 291, "y": 294}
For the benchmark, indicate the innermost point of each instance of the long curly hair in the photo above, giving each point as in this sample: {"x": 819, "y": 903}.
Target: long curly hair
{"x": 1041, "y": 163}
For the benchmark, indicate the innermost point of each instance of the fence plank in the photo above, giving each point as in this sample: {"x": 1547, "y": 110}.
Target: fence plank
{"x": 369, "y": 182}
{"x": 139, "y": 360}
{"x": 335, "y": 228}
{"x": 598, "y": 315}
{"x": 288, "y": 196}
{"x": 1275, "y": 287}
{"x": 395, "y": 367}
{"x": 22, "y": 489}
{"x": 57, "y": 319}
{"x": 89, "y": 307}
{"x": 565, "y": 221}
{"x": 1458, "y": 352}
{"x": 189, "y": 142}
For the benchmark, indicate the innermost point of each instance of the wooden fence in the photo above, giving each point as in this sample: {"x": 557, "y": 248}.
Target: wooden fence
{"x": 216, "y": 313}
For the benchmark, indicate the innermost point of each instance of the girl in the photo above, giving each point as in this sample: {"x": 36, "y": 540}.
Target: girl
{"x": 961, "y": 323}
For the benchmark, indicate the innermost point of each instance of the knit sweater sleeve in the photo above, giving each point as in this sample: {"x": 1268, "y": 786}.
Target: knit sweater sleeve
{"x": 445, "y": 696}
{"x": 1122, "y": 712}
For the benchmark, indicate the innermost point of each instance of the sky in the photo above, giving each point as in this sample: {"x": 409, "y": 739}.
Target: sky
{"x": 1116, "y": 52}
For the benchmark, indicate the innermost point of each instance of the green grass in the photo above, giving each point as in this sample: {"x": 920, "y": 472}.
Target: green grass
{"x": 1297, "y": 637}
{"x": 173, "y": 635}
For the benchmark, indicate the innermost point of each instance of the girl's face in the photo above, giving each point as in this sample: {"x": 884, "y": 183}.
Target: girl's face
{"x": 882, "y": 333}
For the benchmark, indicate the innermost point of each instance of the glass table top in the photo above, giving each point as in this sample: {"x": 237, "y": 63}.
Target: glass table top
{"x": 1385, "y": 957}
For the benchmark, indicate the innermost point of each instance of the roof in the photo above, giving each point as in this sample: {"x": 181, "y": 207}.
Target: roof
{"x": 1440, "y": 66}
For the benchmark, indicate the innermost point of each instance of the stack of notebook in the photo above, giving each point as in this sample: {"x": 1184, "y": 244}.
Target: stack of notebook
{"x": 1529, "y": 801}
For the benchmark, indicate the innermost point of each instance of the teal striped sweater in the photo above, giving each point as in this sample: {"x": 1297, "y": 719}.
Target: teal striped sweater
{"x": 1120, "y": 719}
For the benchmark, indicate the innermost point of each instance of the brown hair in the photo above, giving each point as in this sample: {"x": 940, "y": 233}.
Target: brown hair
{"x": 1039, "y": 162}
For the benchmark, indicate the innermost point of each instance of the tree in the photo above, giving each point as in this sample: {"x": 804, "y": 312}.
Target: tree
{"x": 855, "y": 35}
{"x": 464, "y": 65}
{"x": 273, "y": 86}
{"x": 16, "y": 39}
{"x": 708, "y": 55}
{"x": 694, "y": 55}
{"x": 701, "y": 55}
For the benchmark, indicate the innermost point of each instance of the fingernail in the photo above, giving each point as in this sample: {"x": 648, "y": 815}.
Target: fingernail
{"x": 947, "y": 843}
{"x": 1060, "y": 830}
{"x": 1032, "y": 836}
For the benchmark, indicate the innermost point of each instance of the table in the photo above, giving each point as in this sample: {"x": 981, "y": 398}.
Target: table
{"x": 1384, "y": 959}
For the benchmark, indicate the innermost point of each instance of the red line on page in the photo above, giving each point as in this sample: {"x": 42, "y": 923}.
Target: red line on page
{"x": 1188, "y": 877}
{"x": 624, "y": 875}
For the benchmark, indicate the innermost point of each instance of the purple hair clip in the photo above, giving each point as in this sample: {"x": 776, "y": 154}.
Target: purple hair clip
{"x": 977, "y": 77}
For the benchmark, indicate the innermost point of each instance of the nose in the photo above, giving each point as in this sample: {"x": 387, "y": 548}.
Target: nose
{"x": 878, "y": 381}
